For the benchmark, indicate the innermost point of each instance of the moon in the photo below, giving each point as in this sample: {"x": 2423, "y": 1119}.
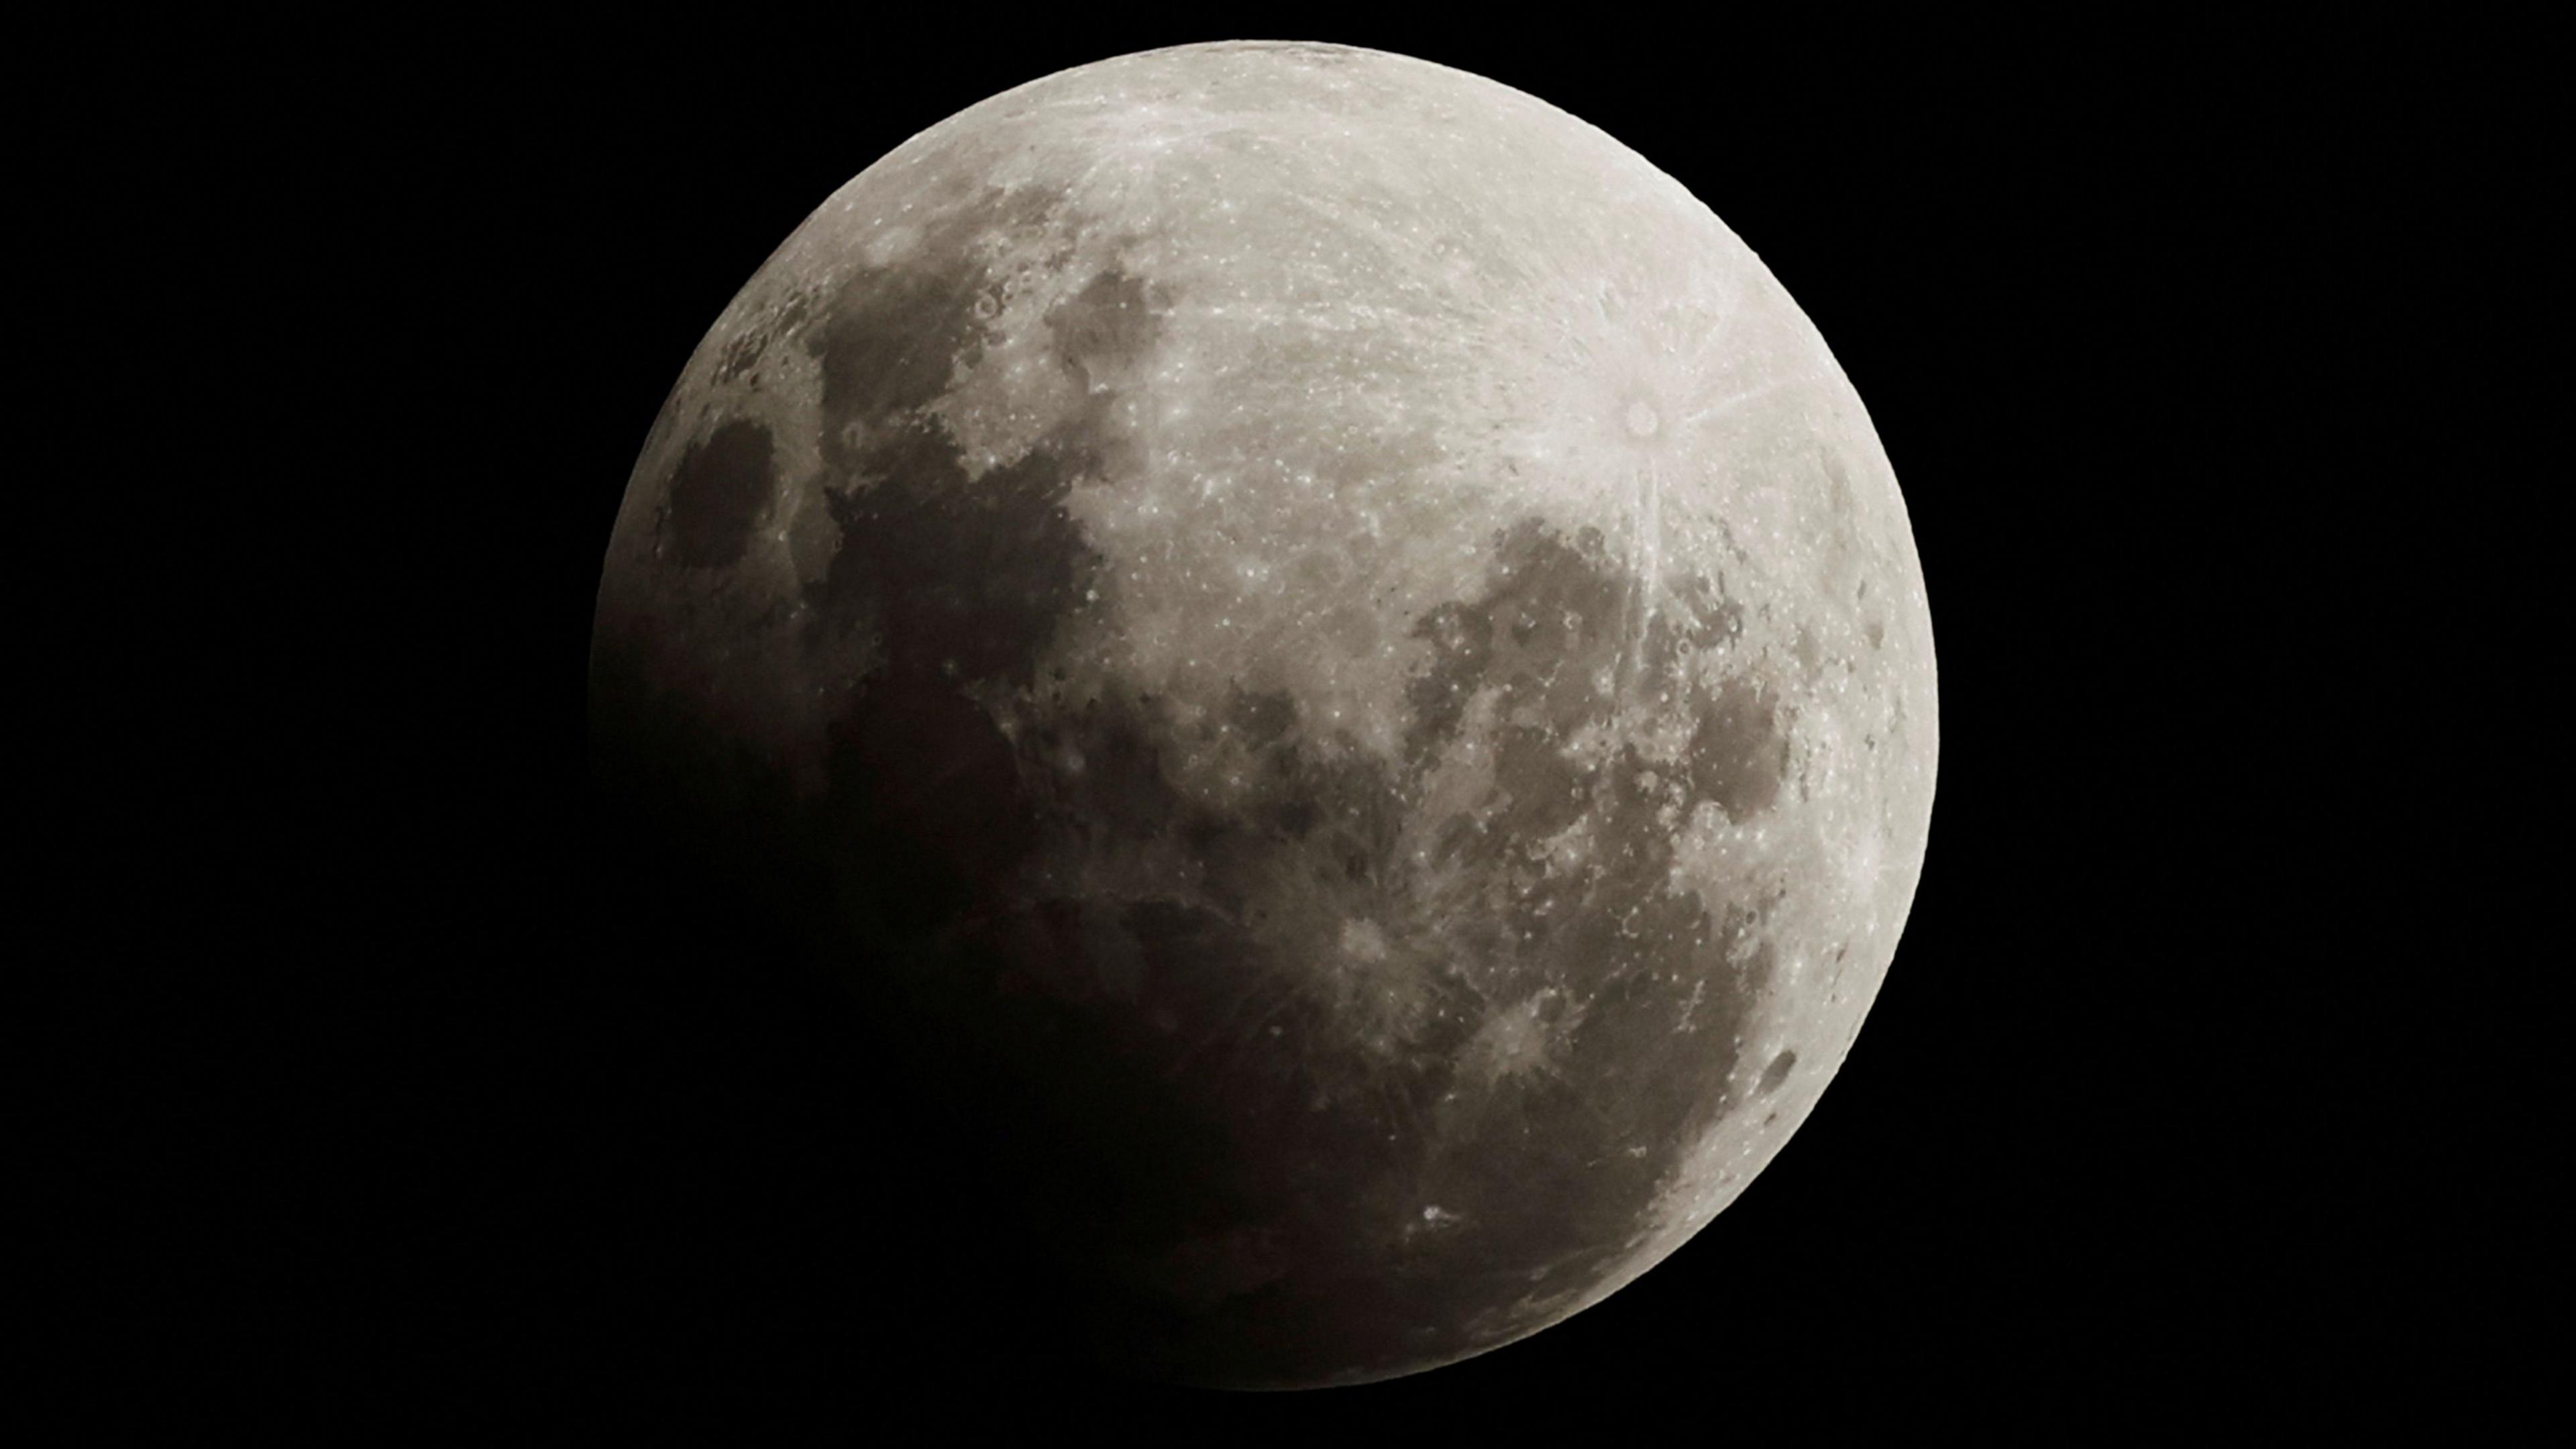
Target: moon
{"x": 1338, "y": 653}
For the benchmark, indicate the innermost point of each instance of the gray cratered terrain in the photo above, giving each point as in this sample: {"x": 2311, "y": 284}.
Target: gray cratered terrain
{"x": 1337, "y": 646}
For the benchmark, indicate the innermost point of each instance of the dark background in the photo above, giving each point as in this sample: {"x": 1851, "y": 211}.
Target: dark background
{"x": 431, "y": 1099}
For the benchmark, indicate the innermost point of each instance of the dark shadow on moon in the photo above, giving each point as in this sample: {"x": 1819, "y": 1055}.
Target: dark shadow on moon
{"x": 1300, "y": 1113}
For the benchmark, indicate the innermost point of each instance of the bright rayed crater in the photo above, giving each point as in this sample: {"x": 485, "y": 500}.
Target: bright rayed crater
{"x": 1337, "y": 646}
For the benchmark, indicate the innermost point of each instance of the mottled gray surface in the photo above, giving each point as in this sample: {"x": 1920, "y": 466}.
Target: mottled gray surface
{"x": 1343, "y": 646}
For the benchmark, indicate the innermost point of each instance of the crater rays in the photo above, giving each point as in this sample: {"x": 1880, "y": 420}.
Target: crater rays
{"x": 1720, "y": 407}
{"x": 1646, "y": 554}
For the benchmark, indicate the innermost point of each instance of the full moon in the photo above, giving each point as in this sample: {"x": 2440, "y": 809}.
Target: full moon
{"x": 1333, "y": 647}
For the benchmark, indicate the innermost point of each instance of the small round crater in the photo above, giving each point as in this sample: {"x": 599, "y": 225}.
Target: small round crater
{"x": 1778, "y": 1072}
{"x": 1642, "y": 421}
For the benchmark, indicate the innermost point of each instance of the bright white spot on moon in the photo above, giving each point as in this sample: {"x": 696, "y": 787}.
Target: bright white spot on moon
{"x": 1641, "y": 420}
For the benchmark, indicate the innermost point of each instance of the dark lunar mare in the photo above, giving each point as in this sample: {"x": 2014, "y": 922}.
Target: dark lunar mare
{"x": 1212, "y": 1154}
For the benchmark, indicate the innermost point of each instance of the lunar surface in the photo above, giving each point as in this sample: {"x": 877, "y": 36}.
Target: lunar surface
{"x": 1341, "y": 653}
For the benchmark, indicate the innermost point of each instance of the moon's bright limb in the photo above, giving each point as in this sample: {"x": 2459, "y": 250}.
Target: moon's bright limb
{"x": 1342, "y": 639}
